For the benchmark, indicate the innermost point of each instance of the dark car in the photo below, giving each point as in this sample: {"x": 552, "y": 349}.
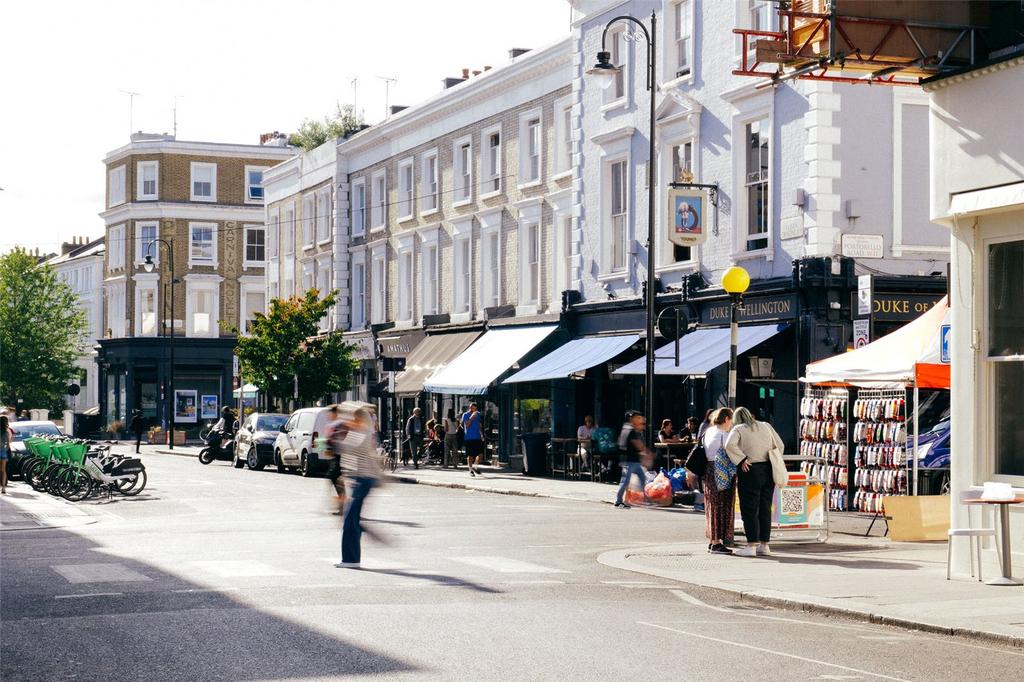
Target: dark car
{"x": 23, "y": 430}
{"x": 933, "y": 447}
{"x": 254, "y": 443}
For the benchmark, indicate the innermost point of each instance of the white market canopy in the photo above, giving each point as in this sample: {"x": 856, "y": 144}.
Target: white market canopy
{"x": 911, "y": 354}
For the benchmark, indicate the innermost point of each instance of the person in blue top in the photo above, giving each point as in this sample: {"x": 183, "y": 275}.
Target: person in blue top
{"x": 472, "y": 426}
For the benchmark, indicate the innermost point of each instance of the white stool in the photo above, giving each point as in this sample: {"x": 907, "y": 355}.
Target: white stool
{"x": 974, "y": 535}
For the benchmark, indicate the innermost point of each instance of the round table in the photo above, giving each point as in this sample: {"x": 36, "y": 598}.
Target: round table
{"x": 1004, "y": 533}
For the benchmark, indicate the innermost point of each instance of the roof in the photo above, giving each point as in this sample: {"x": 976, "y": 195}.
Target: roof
{"x": 943, "y": 79}
{"x": 93, "y": 248}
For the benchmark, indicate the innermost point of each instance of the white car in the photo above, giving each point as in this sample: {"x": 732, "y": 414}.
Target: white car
{"x": 297, "y": 447}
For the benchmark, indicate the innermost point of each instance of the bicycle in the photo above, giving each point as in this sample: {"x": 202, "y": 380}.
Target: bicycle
{"x": 388, "y": 456}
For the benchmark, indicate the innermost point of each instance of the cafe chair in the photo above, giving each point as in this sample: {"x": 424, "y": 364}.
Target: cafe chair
{"x": 974, "y": 535}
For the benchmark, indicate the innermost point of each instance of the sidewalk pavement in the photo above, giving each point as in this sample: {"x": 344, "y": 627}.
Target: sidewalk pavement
{"x": 896, "y": 583}
{"x": 506, "y": 482}
{"x": 22, "y": 508}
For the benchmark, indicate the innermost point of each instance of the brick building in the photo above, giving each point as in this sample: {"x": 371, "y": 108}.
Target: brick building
{"x": 205, "y": 200}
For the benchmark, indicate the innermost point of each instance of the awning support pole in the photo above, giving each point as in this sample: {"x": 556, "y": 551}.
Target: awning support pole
{"x": 917, "y": 419}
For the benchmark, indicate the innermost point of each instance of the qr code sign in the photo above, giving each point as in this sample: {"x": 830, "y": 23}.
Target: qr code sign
{"x": 792, "y": 500}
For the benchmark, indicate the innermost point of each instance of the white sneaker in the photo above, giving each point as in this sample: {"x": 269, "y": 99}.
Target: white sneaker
{"x": 764, "y": 550}
{"x": 350, "y": 564}
{"x": 749, "y": 550}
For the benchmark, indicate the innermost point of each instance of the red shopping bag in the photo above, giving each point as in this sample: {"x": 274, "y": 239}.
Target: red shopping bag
{"x": 659, "y": 491}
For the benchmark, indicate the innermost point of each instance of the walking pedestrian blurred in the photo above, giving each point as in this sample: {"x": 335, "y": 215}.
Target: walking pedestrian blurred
{"x": 361, "y": 466}
{"x": 635, "y": 454}
{"x": 451, "y": 440}
{"x": 136, "y": 426}
{"x": 472, "y": 426}
{"x": 334, "y": 436}
{"x": 748, "y": 446}
{"x": 414, "y": 437}
{"x": 6, "y": 438}
{"x": 719, "y": 503}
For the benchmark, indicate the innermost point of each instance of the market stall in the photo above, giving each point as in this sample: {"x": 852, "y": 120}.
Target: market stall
{"x": 861, "y": 446}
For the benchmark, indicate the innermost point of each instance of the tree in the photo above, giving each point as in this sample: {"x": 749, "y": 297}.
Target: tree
{"x": 286, "y": 344}
{"x": 41, "y": 333}
{"x": 313, "y": 133}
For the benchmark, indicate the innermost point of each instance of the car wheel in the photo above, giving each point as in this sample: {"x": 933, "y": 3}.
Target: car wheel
{"x": 306, "y": 468}
{"x": 237, "y": 461}
{"x": 281, "y": 468}
{"x": 253, "y": 460}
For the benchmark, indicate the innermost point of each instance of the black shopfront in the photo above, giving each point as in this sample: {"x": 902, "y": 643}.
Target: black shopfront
{"x": 134, "y": 376}
{"x": 813, "y": 311}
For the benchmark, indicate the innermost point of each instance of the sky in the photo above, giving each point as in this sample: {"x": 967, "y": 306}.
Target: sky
{"x": 235, "y": 69}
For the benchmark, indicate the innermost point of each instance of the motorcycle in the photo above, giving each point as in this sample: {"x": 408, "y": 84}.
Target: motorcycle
{"x": 219, "y": 445}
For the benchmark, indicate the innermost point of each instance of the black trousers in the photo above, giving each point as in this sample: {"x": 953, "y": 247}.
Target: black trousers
{"x": 756, "y": 489}
{"x": 138, "y": 439}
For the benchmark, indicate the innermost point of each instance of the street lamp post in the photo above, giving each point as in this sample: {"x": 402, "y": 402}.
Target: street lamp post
{"x": 735, "y": 281}
{"x": 169, "y": 394}
{"x": 606, "y": 72}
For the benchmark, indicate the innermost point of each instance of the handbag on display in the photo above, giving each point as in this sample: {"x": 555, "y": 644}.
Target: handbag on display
{"x": 697, "y": 461}
{"x": 725, "y": 470}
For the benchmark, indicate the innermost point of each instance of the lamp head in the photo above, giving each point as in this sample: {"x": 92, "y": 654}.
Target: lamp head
{"x": 604, "y": 71}
{"x": 735, "y": 280}
{"x": 148, "y": 263}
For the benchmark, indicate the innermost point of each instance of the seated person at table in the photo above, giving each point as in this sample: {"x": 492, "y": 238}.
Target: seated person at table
{"x": 689, "y": 434}
{"x": 667, "y": 435}
{"x": 584, "y": 434}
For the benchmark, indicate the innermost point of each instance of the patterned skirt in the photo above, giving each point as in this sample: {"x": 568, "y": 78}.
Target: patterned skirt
{"x": 719, "y": 508}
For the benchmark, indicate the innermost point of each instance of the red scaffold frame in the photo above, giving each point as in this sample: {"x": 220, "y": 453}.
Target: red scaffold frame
{"x": 835, "y": 29}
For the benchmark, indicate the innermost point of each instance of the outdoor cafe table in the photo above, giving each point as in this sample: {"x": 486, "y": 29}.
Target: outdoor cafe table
{"x": 667, "y": 450}
{"x": 1004, "y": 531}
{"x": 560, "y": 453}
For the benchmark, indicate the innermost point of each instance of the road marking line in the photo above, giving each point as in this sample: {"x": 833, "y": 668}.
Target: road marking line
{"x": 504, "y": 565}
{"x": 773, "y": 652}
{"x": 697, "y": 602}
{"x": 239, "y": 569}
{"x": 208, "y": 589}
{"x": 92, "y": 594}
{"x": 98, "y": 573}
{"x": 533, "y": 582}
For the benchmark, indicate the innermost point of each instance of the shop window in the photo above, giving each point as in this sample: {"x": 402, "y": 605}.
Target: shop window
{"x": 1006, "y": 353}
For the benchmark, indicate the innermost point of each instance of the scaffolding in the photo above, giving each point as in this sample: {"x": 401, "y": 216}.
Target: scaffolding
{"x": 851, "y": 42}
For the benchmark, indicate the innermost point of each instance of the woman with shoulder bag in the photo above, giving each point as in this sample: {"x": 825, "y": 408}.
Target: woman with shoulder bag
{"x": 748, "y": 446}
{"x": 719, "y": 501}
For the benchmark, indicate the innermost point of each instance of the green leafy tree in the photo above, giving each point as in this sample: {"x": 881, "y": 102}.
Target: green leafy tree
{"x": 286, "y": 344}
{"x": 313, "y": 133}
{"x": 41, "y": 332}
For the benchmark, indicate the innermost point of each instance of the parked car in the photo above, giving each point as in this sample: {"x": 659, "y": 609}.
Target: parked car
{"x": 933, "y": 447}
{"x": 296, "y": 447}
{"x": 254, "y": 442}
{"x": 23, "y": 430}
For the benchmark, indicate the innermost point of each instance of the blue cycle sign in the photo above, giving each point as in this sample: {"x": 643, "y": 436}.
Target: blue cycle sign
{"x": 944, "y": 343}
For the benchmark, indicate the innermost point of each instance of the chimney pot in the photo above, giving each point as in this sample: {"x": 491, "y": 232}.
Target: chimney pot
{"x": 477, "y": 73}
{"x": 465, "y": 74}
{"x": 487, "y": 68}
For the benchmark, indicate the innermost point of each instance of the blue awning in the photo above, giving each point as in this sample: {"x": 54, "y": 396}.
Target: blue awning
{"x": 482, "y": 363}
{"x": 701, "y": 351}
{"x": 576, "y": 356}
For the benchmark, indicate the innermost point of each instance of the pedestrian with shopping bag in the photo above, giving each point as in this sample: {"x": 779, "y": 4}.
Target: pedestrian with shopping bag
{"x": 636, "y": 456}
{"x": 748, "y": 447}
{"x": 719, "y": 482}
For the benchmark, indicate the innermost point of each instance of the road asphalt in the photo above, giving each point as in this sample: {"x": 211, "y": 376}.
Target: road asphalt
{"x": 222, "y": 574}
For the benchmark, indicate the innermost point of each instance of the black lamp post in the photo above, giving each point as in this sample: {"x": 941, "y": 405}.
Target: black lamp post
{"x": 169, "y": 395}
{"x": 735, "y": 281}
{"x": 607, "y": 71}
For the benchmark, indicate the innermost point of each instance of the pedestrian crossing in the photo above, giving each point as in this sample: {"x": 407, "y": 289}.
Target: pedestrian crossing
{"x": 283, "y": 571}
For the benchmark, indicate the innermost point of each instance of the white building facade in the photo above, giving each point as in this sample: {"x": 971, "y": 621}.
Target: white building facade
{"x": 80, "y": 266}
{"x": 977, "y": 192}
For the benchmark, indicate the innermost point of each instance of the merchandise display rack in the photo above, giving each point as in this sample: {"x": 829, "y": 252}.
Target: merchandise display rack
{"x": 880, "y": 450}
{"x": 824, "y": 442}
